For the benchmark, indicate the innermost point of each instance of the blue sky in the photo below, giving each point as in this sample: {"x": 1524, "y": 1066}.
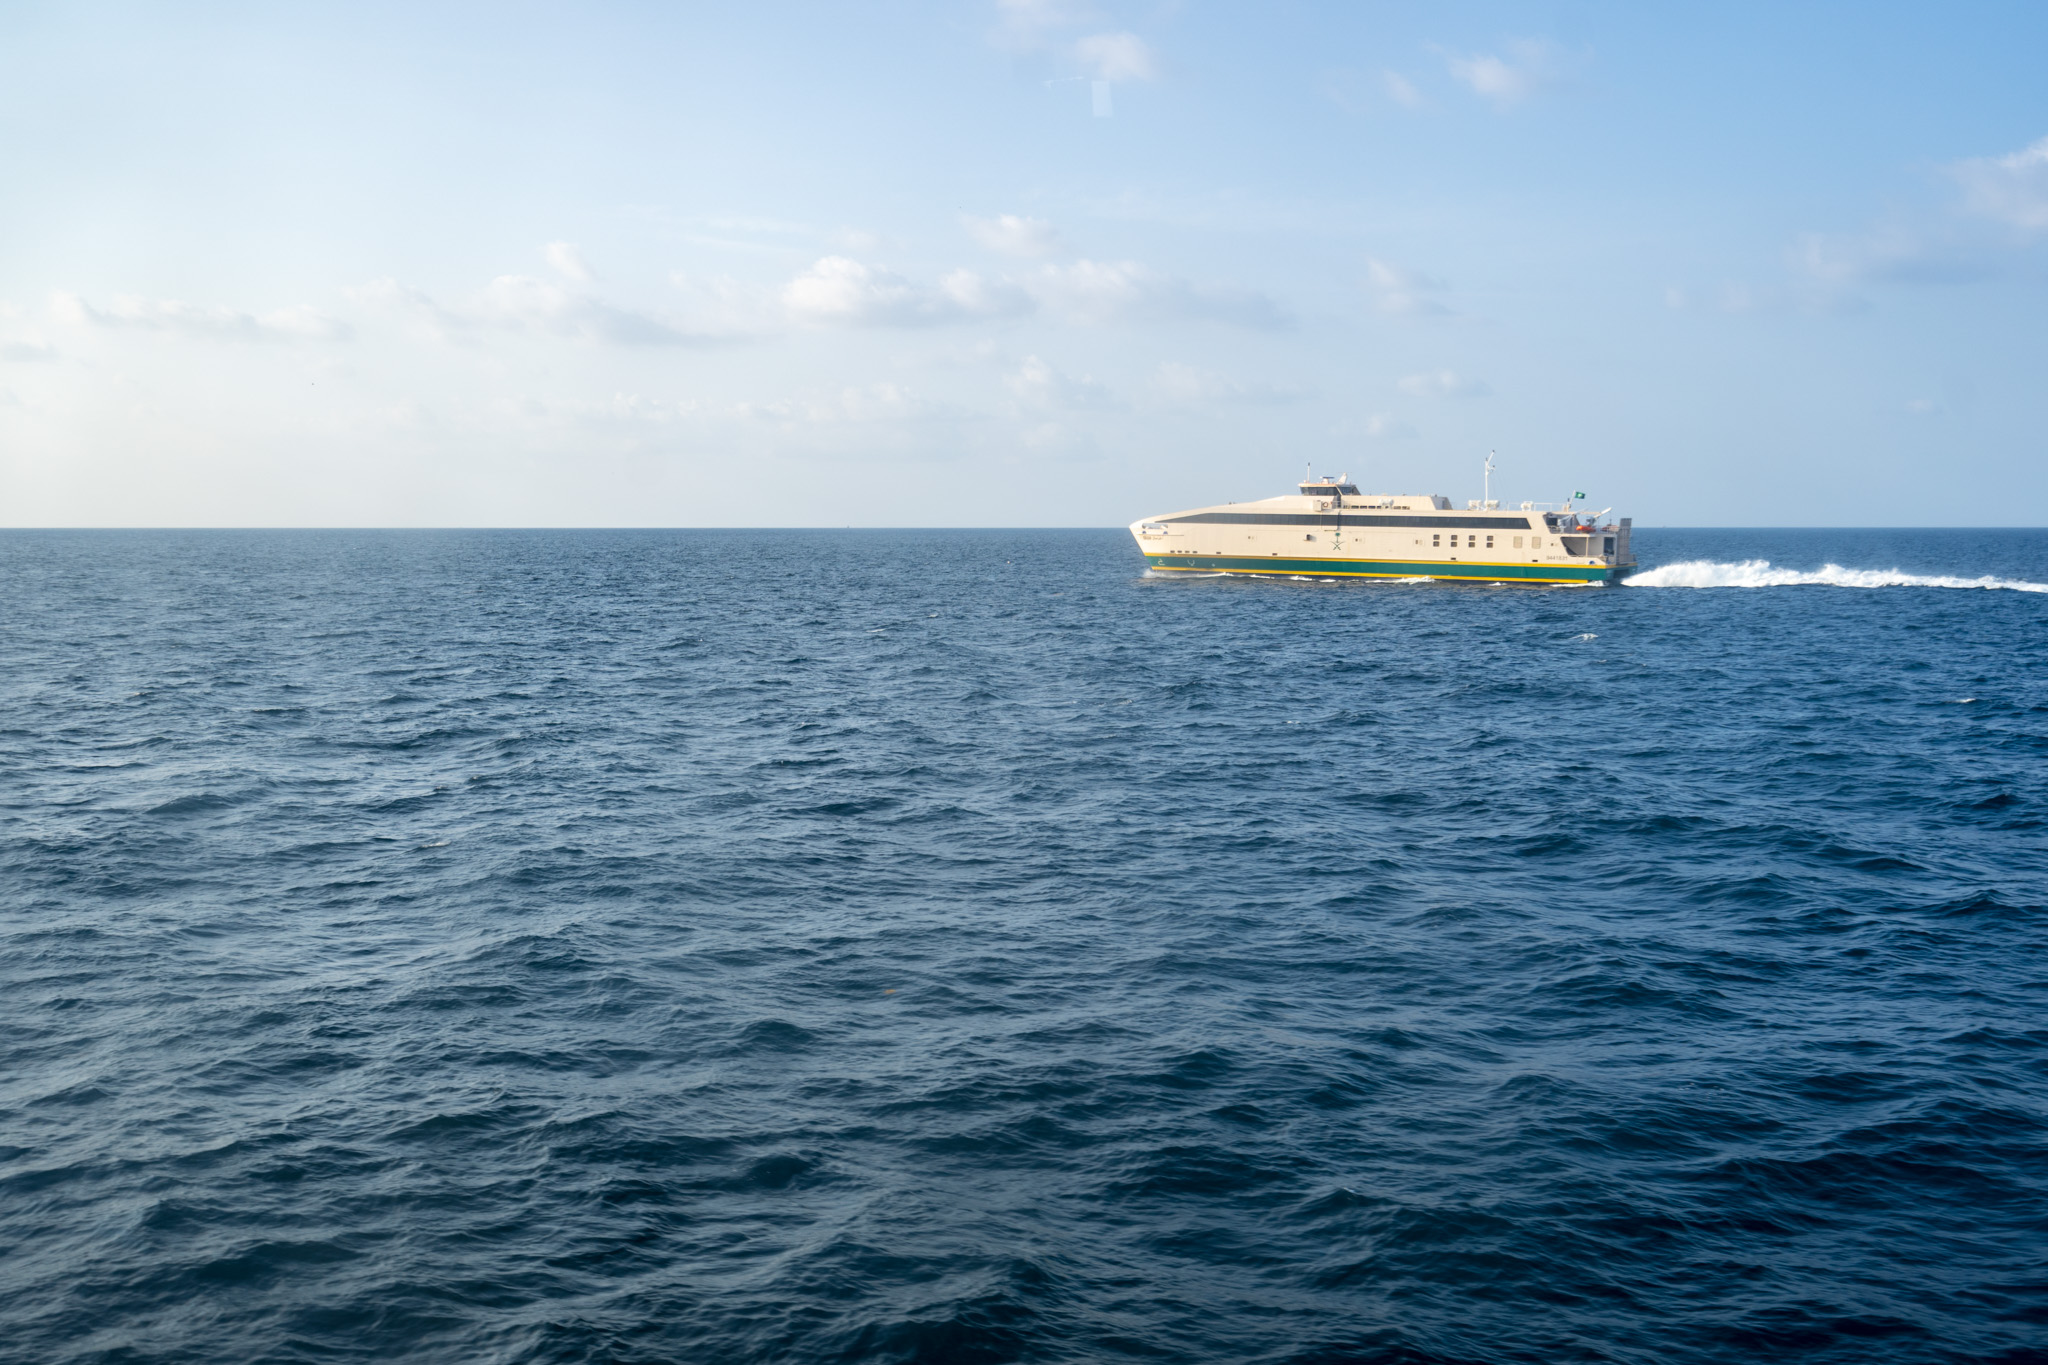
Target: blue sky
{"x": 1028, "y": 263}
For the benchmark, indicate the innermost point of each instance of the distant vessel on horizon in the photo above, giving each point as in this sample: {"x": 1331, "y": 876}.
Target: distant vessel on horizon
{"x": 1328, "y": 528}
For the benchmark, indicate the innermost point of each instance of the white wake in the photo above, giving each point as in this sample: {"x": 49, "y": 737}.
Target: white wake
{"x": 1758, "y": 573}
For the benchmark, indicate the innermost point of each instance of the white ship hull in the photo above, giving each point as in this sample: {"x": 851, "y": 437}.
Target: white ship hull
{"x": 1331, "y": 530}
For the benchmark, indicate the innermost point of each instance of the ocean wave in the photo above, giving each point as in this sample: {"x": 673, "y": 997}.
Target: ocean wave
{"x": 1759, "y": 573}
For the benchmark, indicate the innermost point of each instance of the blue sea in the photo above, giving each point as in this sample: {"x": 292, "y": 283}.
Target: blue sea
{"x": 962, "y": 946}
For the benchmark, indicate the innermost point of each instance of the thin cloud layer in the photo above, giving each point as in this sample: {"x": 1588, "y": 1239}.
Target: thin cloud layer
{"x": 1829, "y": 270}
{"x": 297, "y": 323}
{"x": 1117, "y": 57}
{"x": 1889, "y": 256}
{"x": 1403, "y": 293}
{"x": 1187, "y": 385}
{"x": 1031, "y": 25}
{"x": 1442, "y": 384}
{"x": 1044, "y": 26}
{"x": 1031, "y": 238}
{"x": 1125, "y": 291}
{"x": 564, "y": 258}
{"x": 842, "y": 291}
{"x": 1530, "y": 65}
{"x": 522, "y": 303}
{"x": 835, "y": 291}
{"x": 1038, "y": 384}
{"x": 882, "y": 403}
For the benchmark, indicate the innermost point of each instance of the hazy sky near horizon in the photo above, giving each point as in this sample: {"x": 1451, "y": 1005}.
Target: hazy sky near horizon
{"x": 1022, "y": 262}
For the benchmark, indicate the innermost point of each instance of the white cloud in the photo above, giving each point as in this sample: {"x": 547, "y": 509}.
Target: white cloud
{"x": 838, "y": 289}
{"x": 1401, "y": 90}
{"x": 1442, "y": 384}
{"x": 1188, "y": 385}
{"x": 2010, "y": 189}
{"x": 1403, "y": 293}
{"x": 1124, "y": 291}
{"x": 19, "y": 352}
{"x": 1116, "y": 57}
{"x": 564, "y": 258}
{"x": 1040, "y": 385}
{"x": 1015, "y": 236}
{"x": 1531, "y": 64}
{"x": 297, "y": 323}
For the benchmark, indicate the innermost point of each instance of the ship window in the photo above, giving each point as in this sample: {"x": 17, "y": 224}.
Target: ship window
{"x": 1436, "y": 541}
{"x": 1308, "y": 537}
{"x": 1472, "y": 542}
{"x": 1489, "y": 542}
{"x": 1610, "y": 545}
{"x": 1518, "y": 542}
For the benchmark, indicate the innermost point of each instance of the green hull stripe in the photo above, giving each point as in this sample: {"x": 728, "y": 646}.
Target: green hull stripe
{"x": 1394, "y": 568}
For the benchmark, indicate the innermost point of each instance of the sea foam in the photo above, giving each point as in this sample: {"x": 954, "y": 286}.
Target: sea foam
{"x": 1759, "y": 573}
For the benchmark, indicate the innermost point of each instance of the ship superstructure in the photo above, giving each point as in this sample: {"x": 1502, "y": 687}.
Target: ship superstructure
{"x": 1328, "y": 528}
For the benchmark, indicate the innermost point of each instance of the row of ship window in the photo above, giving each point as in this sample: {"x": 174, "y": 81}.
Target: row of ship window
{"x": 1471, "y": 542}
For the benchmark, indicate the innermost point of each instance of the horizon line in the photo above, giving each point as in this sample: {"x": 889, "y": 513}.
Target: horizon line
{"x": 1912, "y": 526}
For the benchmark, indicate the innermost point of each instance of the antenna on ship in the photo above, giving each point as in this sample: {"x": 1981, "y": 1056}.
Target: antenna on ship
{"x": 1487, "y": 497}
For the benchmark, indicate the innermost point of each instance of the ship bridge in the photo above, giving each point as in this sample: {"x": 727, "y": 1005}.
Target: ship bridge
{"x": 1329, "y": 488}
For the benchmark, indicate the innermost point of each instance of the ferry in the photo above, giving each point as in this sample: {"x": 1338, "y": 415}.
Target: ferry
{"x": 1328, "y": 529}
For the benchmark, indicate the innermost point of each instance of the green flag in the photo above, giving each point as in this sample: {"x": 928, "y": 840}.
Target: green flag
{"x": 1578, "y": 495}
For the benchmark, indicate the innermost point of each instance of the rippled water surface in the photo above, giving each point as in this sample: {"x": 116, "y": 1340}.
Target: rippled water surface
{"x": 961, "y": 947}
